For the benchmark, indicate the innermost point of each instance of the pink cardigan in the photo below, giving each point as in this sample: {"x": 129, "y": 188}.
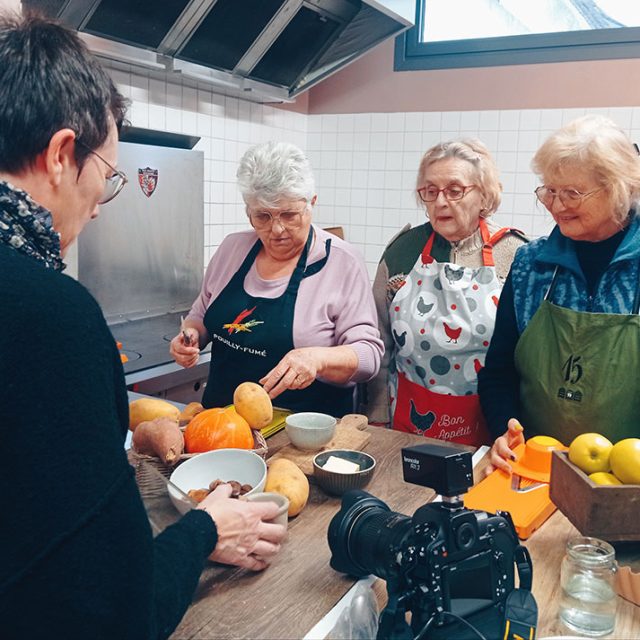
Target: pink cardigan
{"x": 334, "y": 307}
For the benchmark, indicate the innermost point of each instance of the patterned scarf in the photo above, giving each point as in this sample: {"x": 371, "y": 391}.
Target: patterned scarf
{"x": 27, "y": 227}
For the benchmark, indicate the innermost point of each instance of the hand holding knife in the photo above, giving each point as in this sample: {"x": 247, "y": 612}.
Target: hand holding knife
{"x": 185, "y": 346}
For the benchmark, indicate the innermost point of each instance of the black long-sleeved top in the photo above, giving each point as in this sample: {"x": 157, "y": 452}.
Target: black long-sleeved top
{"x": 78, "y": 558}
{"x": 499, "y": 380}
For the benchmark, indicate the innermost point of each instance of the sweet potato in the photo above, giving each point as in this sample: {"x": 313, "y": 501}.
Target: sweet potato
{"x": 160, "y": 437}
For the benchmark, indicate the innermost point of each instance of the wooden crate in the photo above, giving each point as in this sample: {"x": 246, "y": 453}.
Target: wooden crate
{"x": 608, "y": 512}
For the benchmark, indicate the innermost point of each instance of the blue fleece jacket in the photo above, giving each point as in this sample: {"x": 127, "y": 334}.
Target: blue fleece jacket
{"x": 535, "y": 263}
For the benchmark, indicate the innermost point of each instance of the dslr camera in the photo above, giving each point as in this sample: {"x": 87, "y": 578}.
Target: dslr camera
{"x": 450, "y": 567}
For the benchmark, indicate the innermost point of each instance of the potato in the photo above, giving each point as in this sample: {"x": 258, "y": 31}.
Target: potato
{"x": 286, "y": 478}
{"x": 253, "y": 403}
{"x": 160, "y": 437}
{"x": 145, "y": 409}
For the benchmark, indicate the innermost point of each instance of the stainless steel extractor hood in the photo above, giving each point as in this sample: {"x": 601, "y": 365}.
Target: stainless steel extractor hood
{"x": 264, "y": 50}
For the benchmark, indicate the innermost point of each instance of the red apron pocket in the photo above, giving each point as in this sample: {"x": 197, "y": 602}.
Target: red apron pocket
{"x": 434, "y": 415}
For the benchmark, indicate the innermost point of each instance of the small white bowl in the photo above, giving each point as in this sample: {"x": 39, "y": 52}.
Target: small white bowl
{"x": 242, "y": 465}
{"x": 310, "y": 431}
{"x": 282, "y": 517}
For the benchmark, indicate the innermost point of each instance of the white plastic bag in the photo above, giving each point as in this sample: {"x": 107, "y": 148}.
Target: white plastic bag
{"x": 358, "y": 621}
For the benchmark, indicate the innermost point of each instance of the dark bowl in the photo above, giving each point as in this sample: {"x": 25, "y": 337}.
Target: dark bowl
{"x": 337, "y": 483}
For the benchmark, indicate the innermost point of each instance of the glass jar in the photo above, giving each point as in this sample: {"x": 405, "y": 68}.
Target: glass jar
{"x": 587, "y": 577}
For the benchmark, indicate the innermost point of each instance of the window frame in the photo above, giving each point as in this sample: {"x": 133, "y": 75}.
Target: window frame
{"x": 596, "y": 44}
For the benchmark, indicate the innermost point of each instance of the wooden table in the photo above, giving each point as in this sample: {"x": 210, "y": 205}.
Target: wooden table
{"x": 300, "y": 588}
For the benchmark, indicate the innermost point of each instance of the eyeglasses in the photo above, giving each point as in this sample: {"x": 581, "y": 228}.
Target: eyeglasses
{"x": 288, "y": 219}
{"x": 114, "y": 183}
{"x": 570, "y": 198}
{"x": 451, "y": 192}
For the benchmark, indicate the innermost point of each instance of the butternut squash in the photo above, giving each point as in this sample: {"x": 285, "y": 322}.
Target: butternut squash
{"x": 286, "y": 478}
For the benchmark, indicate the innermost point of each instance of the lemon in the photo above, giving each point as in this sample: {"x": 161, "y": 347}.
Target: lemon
{"x": 602, "y": 477}
{"x": 590, "y": 452}
{"x": 625, "y": 460}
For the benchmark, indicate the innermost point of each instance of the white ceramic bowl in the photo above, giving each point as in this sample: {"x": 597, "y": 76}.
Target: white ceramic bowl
{"x": 310, "y": 431}
{"x": 242, "y": 465}
{"x": 282, "y": 517}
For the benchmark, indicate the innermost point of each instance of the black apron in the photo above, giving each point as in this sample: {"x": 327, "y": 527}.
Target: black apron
{"x": 250, "y": 335}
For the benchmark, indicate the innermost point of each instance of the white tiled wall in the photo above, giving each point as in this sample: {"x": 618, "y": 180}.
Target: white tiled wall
{"x": 226, "y": 126}
{"x": 365, "y": 164}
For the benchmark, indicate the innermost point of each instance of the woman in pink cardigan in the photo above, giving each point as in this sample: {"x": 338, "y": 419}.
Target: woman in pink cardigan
{"x": 285, "y": 304}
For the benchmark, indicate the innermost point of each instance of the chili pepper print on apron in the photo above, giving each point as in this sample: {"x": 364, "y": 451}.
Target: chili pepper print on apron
{"x": 250, "y": 335}
{"x": 579, "y": 372}
{"x": 442, "y": 319}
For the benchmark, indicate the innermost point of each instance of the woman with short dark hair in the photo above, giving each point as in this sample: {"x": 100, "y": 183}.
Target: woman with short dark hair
{"x": 79, "y": 559}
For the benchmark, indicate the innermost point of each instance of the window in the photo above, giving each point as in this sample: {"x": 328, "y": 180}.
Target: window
{"x": 480, "y": 33}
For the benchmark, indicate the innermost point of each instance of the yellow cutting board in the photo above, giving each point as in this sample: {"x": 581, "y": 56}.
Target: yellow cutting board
{"x": 276, "y": 424}
{"x": 350, "y": 434}
{"x": 279, "y": 416}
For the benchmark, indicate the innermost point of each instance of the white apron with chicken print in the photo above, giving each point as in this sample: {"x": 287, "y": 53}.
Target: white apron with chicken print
{"x": 442, "y": 319}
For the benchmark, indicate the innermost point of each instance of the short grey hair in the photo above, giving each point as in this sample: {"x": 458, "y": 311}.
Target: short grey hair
{"x": 477, "y": 155}
{"x": 597, "y": 145}
{"x": 272, "y": 171}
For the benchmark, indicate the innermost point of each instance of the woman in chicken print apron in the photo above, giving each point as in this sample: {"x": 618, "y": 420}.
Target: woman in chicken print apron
{"x": 436, "y": 290}
{"x": 565, "y": 360}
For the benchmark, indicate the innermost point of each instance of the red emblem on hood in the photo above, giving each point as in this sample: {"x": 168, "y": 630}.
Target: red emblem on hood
{"x": 148, "y": 180}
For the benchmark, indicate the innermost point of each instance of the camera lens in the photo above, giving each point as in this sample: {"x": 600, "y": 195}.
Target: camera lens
{"x": 365, "y": 536}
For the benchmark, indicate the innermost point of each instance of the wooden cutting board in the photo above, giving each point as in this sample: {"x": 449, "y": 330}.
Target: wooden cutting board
{"x": 350, "y": 434}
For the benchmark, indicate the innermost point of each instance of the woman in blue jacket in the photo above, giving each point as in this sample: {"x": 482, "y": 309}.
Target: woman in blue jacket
{"x": 565, "y": 353}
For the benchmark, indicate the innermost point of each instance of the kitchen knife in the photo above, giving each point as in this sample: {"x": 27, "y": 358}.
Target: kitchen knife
{"x": 185, "y": 337}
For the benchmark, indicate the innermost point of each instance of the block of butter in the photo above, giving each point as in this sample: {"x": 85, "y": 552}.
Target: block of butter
{"x": 340, "y": 465}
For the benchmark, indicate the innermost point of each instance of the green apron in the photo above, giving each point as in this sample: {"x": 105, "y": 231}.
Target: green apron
{"x": 580, "y": 372}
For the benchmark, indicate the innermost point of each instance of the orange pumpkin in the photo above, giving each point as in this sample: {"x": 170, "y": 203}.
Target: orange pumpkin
{"x": 217, "y": 429}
